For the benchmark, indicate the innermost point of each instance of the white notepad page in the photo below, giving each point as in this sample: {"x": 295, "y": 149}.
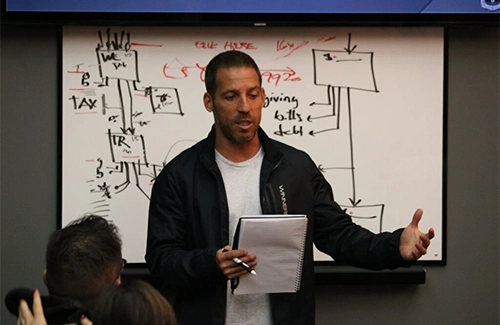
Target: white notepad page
{"x": 278, "y": 241}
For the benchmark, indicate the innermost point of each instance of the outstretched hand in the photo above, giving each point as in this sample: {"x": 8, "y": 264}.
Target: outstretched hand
{"x": 413, "y": 243}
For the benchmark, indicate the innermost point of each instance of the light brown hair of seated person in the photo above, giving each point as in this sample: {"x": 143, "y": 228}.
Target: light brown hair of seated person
{"x": 133, "y": 302}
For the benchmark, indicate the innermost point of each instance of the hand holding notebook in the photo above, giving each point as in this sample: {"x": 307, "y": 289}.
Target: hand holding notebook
{"x": 278, "y": 241}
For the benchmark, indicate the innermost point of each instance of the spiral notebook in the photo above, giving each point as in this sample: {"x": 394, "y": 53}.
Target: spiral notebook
{"x": 278, "y": 241}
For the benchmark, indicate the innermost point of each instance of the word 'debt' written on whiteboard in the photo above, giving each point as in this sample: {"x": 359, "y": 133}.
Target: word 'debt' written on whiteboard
{"x": 365, "y": 103}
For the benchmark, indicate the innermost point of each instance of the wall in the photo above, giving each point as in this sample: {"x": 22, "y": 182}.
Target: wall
{"x": 465, "y": 291}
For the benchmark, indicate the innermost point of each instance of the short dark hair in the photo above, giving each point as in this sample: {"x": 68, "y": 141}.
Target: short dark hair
{"x": 134, "y": 302}
{"x": 226, "y": 60}
{"x": 83, "y": 259}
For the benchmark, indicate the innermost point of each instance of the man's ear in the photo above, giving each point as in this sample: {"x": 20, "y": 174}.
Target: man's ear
{"x": 118, "y": 280}
{"x": 263, "y": 92}
{"x": 45, "y": 277}
{"x": 208, "y": 102}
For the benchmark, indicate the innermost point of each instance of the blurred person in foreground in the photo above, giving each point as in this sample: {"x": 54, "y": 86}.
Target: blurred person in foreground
{"x": 82, "y": 260}
{"x": 133, "y": 302}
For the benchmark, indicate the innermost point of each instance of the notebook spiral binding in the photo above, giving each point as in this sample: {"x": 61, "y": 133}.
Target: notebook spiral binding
{"x": 298, "y": 275}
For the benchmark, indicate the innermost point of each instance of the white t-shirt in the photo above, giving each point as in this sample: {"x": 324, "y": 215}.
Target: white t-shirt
{"x": 241, "y": 181}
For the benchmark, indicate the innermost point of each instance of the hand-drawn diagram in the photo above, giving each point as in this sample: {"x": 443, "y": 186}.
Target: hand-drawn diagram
{"x": 118, "y": 72}
{"x": 332, "y": 69}
{"x": 132, "y": 100}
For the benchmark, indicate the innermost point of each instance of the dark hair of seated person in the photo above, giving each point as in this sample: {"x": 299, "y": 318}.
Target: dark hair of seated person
{"x": 133, "y": 302}
{"x": 83, "y": 259}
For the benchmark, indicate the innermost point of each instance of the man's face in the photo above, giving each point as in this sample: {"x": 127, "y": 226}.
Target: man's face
{"x": 236, "y": 105}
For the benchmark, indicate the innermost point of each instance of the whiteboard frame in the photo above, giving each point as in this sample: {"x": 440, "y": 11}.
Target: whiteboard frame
{"x": 320, "y": 263}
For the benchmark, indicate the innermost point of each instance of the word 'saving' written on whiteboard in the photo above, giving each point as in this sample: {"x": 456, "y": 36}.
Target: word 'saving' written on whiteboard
{"x": 365, "y": 103}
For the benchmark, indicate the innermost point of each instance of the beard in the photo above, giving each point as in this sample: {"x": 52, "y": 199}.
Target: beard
{"x": 229, "y": 128}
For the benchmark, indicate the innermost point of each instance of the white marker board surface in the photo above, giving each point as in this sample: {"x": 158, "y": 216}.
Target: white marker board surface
{"x": 365, "y": 103}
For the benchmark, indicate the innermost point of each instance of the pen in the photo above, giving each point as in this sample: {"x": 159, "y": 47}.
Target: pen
{"x": 242, "y": 264}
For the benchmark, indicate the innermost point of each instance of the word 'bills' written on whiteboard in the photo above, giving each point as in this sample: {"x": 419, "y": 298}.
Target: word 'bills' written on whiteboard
{"x": 365, "y": 103}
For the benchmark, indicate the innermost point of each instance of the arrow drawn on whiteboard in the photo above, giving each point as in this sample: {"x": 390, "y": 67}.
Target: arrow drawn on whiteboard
{"x": 349, "y": 49}
{"x": 354, "y": 202}
{"x": 324, "y": 169}
{"x": 313, "y": 133}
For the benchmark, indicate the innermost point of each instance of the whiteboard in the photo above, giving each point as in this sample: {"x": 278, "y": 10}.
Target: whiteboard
{"x": 365, "y": 103}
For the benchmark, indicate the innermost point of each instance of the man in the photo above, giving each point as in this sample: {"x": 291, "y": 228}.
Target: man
{"x": 82, "y": 260}
{"x": 237, "y": 170}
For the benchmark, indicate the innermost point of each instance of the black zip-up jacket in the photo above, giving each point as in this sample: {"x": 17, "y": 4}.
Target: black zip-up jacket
{"x": 188, "y": 223}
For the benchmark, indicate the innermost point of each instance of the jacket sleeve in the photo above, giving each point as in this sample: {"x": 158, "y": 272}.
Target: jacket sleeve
{"x": 346, "y": 242}
{"x": 170, "y": 259}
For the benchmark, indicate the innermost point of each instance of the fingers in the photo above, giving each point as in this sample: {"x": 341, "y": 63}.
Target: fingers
{"x": 237, "y": 272}
{"x": 230, "y": 265}
{"x": 219, "y": 255}
{"x": 85, "y": 321}
{"x": 229, "y": 254}
{"x": 230, "y": 269}
{"x": 233, "y": 271}
{"x": 422, "y": 250}
{"x": 239, "y": 253}
{"x": 418, "y": 251}
{"x": 416, "y": 217}
{"x": 415, "y": 255}
{"x": 24, "y": 313}
{"x": 37, "y": 304}
{"x": 430, "y": 234}
{"x": 425, "y": 241}
{"x": 421, "y": 247}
